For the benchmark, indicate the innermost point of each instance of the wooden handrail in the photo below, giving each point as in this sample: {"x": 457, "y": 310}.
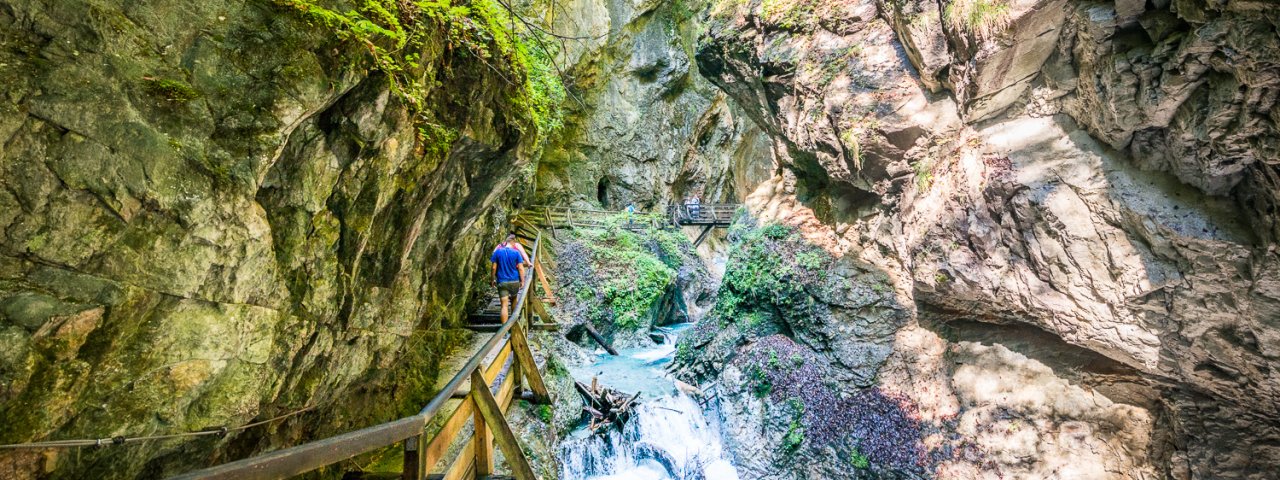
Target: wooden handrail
{"x": 320, "y": 453}
{"x": 717, "y": 214}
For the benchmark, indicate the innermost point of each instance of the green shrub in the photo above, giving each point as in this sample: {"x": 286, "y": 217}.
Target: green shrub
{"x": 759, "y": 381}
{"x": 794, "y": 437}
{"x": 633, "y": 279}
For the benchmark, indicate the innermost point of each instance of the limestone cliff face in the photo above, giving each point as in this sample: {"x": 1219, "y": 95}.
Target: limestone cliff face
{"x": 215, "y": 212}
{"x": 1102, "y": 172}
{"x": 644, "y": 126}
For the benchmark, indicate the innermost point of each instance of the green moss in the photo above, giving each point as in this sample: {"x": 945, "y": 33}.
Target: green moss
{"x": 632, "y": 270}
{"x": 396, "y": 33}
{"x": 638, "y": 279}
{"x": 170, "y": 90}
{"x": 790, "y": 14}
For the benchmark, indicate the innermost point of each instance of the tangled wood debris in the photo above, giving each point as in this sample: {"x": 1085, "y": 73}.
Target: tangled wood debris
{"x": 607, "y": 407}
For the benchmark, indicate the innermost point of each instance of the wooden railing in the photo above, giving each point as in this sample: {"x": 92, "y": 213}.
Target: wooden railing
{"x": 481, "y": 407}
{"x": 716, "y": 214}
{"x": 569, "y": 217}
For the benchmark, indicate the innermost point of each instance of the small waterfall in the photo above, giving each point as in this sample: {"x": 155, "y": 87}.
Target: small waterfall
{"x": 668, "y": 438}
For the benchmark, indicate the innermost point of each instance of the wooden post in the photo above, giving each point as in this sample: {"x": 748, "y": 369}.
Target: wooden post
{"x": 524, "y": 359}
{"x": 548, "y": 294}
{"x": 515, "y": 375}
{"x": 483, "y": 441}
{"x": 415, "y": 467}
{"x": 703, "y": 236}
{"x": 547, "y": 214}
{"x": 493, "y": 419}
{"x": 541, "y": 310}
{"x": 524, "y": 312}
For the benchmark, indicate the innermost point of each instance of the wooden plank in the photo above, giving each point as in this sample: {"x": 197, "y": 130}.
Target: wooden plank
{"x": 502, "y": 435}
{"x": 498, "y": 362}
{"x": 439, "y": 444}
{"x": 506, "y": 391}
{"x": 465, "y": 467}
{"x": 703, "y": 236}
{"x": 524, "y": 357}
{"x": 492, "y": 327}
{"x": 291, "y": 462}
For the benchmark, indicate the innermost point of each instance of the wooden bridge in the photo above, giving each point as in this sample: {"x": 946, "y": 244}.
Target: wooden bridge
{"x": 708, "y": 216}
{"x": 486, "y": 391}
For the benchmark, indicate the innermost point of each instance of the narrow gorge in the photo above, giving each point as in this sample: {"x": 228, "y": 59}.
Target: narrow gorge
{"x": 969, "y": 239}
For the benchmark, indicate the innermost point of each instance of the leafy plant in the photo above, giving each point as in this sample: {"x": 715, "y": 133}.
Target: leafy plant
{"x": 794, "y": 437}
{"x": 982, "y": 18}
{"x": 858, "y": 460}
{"x": 923, "y": 173}
{"x": 760, "y": 384}
{"x": 633, "y": 278}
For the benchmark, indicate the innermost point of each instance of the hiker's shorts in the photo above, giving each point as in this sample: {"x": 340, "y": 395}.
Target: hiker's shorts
{"x": 508, "y": 289}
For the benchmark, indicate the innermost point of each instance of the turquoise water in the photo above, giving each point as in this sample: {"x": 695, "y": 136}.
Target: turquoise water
{"x": 668, "y": 438}
{"x": 635, "y": 369}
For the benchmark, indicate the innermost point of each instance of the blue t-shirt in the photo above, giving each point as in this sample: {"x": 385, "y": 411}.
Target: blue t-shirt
{"x": 508, "y": 259}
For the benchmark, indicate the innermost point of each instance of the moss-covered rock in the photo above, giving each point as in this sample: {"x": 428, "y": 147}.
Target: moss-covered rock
{"x": 777, "y": 282}
{"x": 219, "y": 212}
{"x": 626, "y": 282}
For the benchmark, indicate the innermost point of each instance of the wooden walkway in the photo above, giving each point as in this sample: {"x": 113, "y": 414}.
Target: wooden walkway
{"x": 708, "y": 216}
{"x": 486, "y": 392}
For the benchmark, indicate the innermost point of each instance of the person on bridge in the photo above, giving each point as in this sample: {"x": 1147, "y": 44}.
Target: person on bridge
{"x": 508, "y": 274}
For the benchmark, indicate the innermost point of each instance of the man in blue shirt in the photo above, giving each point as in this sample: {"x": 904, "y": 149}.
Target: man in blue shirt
{"x": 508, "y": 273}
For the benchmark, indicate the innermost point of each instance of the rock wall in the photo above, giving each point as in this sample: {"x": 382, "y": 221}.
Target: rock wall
{"x": 217, "y": 212}
{"x": 1094, "y": 171}
{"x": 644, "y": 126}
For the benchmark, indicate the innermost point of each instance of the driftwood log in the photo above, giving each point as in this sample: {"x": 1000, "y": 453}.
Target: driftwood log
{"x": 607, "y": 407}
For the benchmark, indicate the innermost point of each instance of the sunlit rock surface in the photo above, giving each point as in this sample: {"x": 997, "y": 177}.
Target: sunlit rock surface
{"x": 1125, "y": 216}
